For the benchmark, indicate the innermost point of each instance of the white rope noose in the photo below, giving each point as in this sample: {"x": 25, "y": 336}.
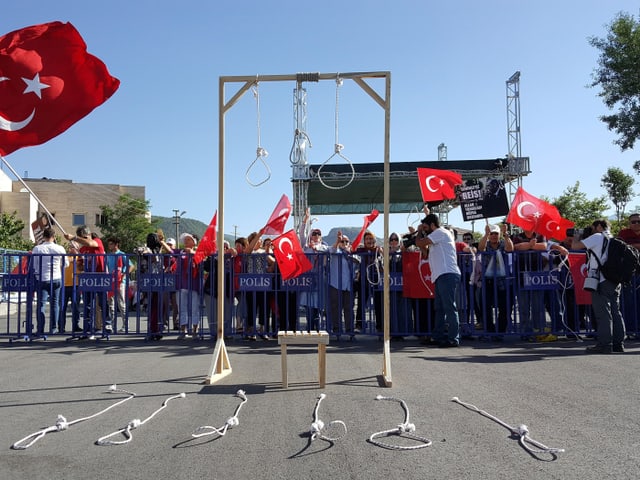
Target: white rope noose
{"x": 564, "y": 286}
{"x": 63, "y": 424}
{"x": 133, "y": 424}
{"x": 522, "y": 431}
{"x": 405, "y": 429}
{"x": 230, "y": 423}
{"x": 261, "y": 153}
{"x": 413, "y": 223}
{"x": 337, "y": 147}
{"x": 318, "y": 426}
{"x": 376, "y": 268}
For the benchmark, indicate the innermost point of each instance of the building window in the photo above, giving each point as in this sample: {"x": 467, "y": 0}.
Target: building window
{"x": 77, "y": 219}
{"x": 100, "y": 219}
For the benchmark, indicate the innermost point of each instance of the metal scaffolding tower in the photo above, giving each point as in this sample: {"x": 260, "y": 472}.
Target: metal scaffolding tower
{"x": 513, "y": 129}
{"x": 298, "y": 155}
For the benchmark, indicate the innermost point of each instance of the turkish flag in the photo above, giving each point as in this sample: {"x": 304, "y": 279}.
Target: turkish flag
{"x": 578, "y": 266}
{"x": 532, "y": 214}
{"x": 416, "y": 276}
{"x": 48, "y": 82}
{"x": 207, "y": 245}
{"x": 368, "y": 220}
{"x": 290, "y": 257}
{"x": 437, "y": 185}
{"x": 278, "y": 219}
{"x": 552, "y": 225}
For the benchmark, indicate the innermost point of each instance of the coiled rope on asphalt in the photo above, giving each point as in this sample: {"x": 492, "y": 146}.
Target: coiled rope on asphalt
{"x": 62, "y": 423}
{"x": 405, "y": 429}
{"x": 230, "y": 423}
{"x": 133, "y": 424}
{"x": 318, "y": 426}
{"x": 522, "y": 432}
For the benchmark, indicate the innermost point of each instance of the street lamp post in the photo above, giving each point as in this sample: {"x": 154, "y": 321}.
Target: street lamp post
{"x": 176, "y": 221}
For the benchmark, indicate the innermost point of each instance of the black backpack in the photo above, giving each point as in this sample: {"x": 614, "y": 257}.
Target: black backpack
{"x": 622, "y": 262}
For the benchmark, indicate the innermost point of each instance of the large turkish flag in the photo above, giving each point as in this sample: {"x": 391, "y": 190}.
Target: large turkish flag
{"x": 48, "y": 82}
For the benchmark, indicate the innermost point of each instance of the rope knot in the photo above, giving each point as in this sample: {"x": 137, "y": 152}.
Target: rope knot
{"x": 61, "y": 423}
{"x": 406, "y": 428}
{"x": 317, "y": 426}
{"x": 523, "y": 430}
{"x": 135, "y": 423}
{"x": 233, "y": 421}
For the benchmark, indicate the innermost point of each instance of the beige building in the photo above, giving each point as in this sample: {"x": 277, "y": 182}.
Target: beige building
{"x": 72, "y": 204}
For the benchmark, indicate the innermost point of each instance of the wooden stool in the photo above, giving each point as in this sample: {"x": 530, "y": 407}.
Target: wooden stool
{"x": 304, "y": 338}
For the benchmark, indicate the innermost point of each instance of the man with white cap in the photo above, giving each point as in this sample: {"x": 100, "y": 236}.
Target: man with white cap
{"x": 493, "y": 288}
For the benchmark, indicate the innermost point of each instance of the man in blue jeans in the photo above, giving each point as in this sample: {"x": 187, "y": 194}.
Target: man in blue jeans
{"x": 48, "y": 264}
{"x": 445, "y": 275}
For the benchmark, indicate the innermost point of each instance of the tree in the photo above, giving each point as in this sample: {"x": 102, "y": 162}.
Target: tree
{"x": 128, "y": 220}
{"x": 11, "y": 229}
{"x": 575, "y": 206}
{"x": 617, "y": 76}
{"x": 619, "y": 187}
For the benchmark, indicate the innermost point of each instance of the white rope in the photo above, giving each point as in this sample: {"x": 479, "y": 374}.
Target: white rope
{"x": 300, "y": 140}
{"x": 405, "y": 429}
{"x": 318, "y": 426}
{"x": 63, "y": 424}
{"x": 376, "y": 268}
{"x": 337, "y": 147}
{"x": 566, "y": 285}
{"x": 522, "y": 431}
{"x": 261, "y": 153}
{"x": 230, "y": 423}
{"x": 133, "y": 424}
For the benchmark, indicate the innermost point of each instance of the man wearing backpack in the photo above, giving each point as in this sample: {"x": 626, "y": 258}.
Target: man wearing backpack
{"x": 605, "y": 299}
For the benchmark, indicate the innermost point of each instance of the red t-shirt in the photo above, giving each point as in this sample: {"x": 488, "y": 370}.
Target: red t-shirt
{"x": 94, "y": 263}
{"x": 631, "y": 237}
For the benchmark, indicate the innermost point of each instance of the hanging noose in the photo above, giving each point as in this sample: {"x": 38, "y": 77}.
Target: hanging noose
{"x": 337, "y": 146}
{"x": 261, "y": 153}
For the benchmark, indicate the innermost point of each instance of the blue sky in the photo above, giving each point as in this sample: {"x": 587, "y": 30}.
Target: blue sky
{"x": 449, "y": 62}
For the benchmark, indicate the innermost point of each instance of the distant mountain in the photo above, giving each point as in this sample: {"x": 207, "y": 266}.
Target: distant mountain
{"x": 195, "y": 227}
{"x": 351, "y": 232}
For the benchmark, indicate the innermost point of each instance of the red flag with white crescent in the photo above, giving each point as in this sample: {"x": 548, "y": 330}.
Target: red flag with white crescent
{"x": 291, "y": 259}
{"x": 534, "y": 214}
{"x": 578, "y": 265}
{"x": 416, "y": 276}
{"x": 278, "y": 219}
{"x": 48, "y": 82}
{"x": 437, "y": 185}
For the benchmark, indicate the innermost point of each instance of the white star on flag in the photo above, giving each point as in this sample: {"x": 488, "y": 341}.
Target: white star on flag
{"x": 34, "y": 85}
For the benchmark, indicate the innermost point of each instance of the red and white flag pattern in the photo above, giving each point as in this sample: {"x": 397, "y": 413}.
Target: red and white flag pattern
{"x": 534, "y": 214}
{"x": 48, "y": 82}
{"x": 290, "y": 257}
{"x": 437, "y": 185}
{"x": 278, "y": 219}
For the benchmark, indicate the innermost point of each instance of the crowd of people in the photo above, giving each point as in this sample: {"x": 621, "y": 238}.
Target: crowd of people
{"x": 479, "y": 281}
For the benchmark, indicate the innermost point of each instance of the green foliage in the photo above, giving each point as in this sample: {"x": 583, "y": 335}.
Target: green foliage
{"x": 128, "y": 220}
{"x": 575, "y": 206}
{"x": 619, "y": 186}
{"x": 11, "y": 229}
{"x": 617, "y": 76}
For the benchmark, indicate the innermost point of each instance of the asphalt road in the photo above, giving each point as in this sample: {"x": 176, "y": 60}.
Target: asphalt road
{"x": 587, "y": 405}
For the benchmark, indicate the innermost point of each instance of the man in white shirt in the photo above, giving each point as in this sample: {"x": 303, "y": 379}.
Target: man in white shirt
{"x": 445, "y": 275}
{"x": 605, "y": 300}
{"x": 48, "y": 265}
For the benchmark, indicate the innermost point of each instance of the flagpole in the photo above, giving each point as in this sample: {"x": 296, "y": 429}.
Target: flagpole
{"x": 4, "y": 160}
